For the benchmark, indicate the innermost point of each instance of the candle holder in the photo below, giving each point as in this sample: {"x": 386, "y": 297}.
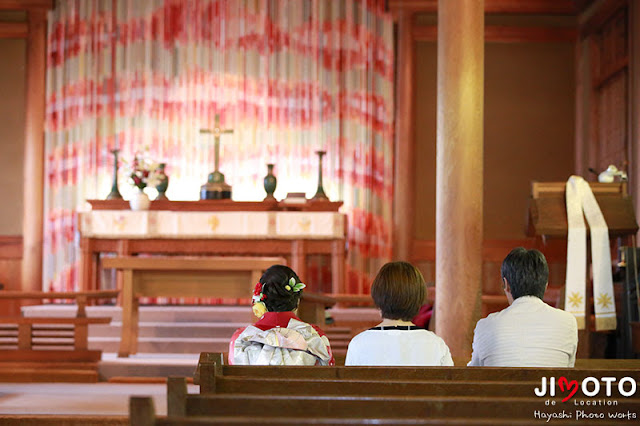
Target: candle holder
{"x": 320, "y": 195}
{"x": 115, "y": 193}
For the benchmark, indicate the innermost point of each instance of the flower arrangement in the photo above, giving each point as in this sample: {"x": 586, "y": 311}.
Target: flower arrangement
{"x": 143, "y": 171}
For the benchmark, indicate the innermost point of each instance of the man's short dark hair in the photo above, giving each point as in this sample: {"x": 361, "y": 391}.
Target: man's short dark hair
{"x": 399, "y": 291}
{"x": 526, "y": 272}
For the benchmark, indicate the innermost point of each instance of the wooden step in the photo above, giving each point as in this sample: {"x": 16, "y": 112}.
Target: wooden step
{"x": 57, "y": 420}
{"x": 7, "y": 365}
{"x": 43, "y": 375}
{"x": 49, "y": 355}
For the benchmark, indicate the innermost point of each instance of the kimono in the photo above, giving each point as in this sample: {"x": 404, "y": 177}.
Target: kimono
{"x": 280, "y": 338}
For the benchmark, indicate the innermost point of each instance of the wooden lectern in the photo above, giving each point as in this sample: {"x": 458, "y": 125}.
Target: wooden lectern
{"x": 548, "y": 219}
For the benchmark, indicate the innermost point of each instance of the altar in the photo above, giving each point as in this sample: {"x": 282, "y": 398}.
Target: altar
{"x": 214, "y": 228}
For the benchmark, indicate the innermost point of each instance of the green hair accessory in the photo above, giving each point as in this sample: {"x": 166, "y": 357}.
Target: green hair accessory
{"x": 295, "y": 286}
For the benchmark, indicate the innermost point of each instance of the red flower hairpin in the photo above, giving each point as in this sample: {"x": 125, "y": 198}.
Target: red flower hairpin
{"x": 258, "y": 289}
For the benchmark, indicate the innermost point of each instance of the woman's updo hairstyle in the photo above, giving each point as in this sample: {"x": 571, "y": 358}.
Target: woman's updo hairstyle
{"x": 278, "y": 298}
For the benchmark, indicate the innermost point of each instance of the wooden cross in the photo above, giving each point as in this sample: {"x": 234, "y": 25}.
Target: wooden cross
{"x": 216, "y": 131}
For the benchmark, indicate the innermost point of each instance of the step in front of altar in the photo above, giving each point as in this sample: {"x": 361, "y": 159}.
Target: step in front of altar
{"x": 151, "y": 313}
{"x": 194, "y": 329}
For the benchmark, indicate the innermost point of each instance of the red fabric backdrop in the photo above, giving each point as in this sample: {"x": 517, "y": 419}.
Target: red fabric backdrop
{"x": 290, "y": 77}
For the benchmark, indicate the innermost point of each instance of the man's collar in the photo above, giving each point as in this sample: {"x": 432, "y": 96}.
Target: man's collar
{"x": 527, "y": 299}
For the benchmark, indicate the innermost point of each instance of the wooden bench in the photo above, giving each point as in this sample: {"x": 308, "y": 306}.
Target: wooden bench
{"x": 50, "y": 348}
{"x": 216, "y": 277}
{"x": 279, "y": 395}
{"x": 385, "y": 395}
{"x": 381, "y": 408}
{"x": 142, "y": 413}
{"x": 211, "y": 365}
{"x": 502, "y": 382}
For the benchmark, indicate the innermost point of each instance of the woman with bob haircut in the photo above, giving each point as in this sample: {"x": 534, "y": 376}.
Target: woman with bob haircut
{"x": 279, "y": 337}
{"x": 398, "y": 291}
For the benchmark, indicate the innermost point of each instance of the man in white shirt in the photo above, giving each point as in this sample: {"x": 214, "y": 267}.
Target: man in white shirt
{"x": 529, "y": 333}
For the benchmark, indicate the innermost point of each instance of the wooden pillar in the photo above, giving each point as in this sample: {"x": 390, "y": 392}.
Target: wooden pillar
{"x": 404, "y": 180}
{"x": 634, "y": 104}
{"x": 459, "y": 185}
{"x": 583, "y": 92}
{"x": 299, "y": 258}
{"x": 32, "y": 221}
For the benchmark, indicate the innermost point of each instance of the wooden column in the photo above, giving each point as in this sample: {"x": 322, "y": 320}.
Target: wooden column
{"x": 634, "y": 104}
{"x": 459, "y": 186}
{"x": 583, "y": 91}
{"x": 404, "y": 180}
{"x": 32, "y": 222}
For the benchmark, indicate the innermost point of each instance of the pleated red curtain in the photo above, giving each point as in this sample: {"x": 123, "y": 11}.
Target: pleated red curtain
{"x": 290, "y": 77}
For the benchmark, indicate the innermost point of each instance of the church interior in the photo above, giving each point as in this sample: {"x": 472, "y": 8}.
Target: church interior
{"x": 331, "y": 136}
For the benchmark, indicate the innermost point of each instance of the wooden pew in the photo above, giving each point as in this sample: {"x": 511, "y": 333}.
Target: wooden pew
{"x": 216, "y": 362}
{"x": 495, "y": 395}
{"x": 380, "y": 407}
{"x": 423, "y": 373}
{"x": 344, "y": 387}
{"x": 50, "y": 348}
{"x": 142, "y": 413}
{"x": 374, "y": 408}
{"x": 211, "y": 377}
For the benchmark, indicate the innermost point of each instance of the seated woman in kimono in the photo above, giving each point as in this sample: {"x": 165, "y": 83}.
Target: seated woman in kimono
{"x": 279, "y": 337}
{"x": 398, "y": 291}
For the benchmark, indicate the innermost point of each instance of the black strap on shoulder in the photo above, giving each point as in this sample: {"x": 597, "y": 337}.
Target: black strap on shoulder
{"x": 397, "y": 327}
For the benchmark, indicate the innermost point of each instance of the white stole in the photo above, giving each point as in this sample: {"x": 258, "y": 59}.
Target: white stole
{"x": 580, "y": 199}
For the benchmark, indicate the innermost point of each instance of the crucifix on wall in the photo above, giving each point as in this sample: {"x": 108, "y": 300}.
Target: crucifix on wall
{"x": 216, "y": 188}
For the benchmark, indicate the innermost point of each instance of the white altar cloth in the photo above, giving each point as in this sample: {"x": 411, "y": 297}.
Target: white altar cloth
{"x": 198, "y": 224}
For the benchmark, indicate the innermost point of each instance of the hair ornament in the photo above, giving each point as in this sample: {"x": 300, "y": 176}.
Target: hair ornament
{"x": 258, "y": 296}
{"x": 296, "y": 287}
{"x": 259, "y": 309}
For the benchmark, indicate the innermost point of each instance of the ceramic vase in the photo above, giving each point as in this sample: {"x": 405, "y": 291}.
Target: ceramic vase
{"x": 139, "y": 201}
{"x": 270, "y": 183}
{"x": 164, "y": 182}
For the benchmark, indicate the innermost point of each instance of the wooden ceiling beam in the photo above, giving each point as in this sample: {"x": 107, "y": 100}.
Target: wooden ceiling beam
{"x": 595, "y": 17}
{"x": 14, "y": 30}
{"x": 504, "y": 34}
{"x": 524, "y": 7}
{"x": 26, "y": 4}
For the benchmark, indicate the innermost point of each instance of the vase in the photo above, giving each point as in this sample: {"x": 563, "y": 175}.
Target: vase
{"x": 140, "y": 201}
{"x": 320, "y": 195}
{"x": 163, "y": 184}
{"x": 270, "y": 183}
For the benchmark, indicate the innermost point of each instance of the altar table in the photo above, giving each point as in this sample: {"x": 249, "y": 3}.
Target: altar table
{"x": 213, "y": 228}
